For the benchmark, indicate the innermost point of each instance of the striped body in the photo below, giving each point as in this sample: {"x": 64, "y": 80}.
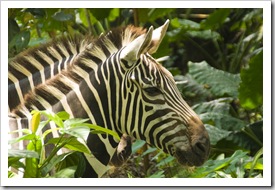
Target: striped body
{"x": 114, "y": 82}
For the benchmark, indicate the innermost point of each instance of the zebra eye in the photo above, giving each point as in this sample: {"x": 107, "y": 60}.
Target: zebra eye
{"x": 152, "y": 91}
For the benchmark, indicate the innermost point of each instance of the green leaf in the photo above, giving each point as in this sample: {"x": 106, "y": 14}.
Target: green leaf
{"x": 223, "y": 121}
{"x": 185, "y": 24}
{"x": 32, "y": 164}
{"x": 74, "y": 122}
{"x": 156, "y": 13}
{"x": 15, "y": 162}
{"x": 216, "y": 134}
{"x": 13, "y": 29}
{"x": 148, "y": 151}
{"x": 220, "y": 105}
{"x": 66, "y": 173}
{"x": 53, "y": 117}
{"x": 71, "y": 143}
{"x": 215, "y": 19}
{"x": 35, "y": 122}
{"x": 20, "y": 41}
{"x": 22, "y": 153}
{"x": 251, "y": 87}
{"x": 37, "y": 12}
{"x": 219, "y": 83}
{"x": 137, "y": 145}
{"x": 158, "y": 174}
{"x": 24, "y": 137}
{"x": 258, "y": 165}
{"x": 204, "y": 34}
{"x": 61, "y": 16}
{"x": 26, "y": 131}
{"x": 52, "y": 163}
{"x": 192, "y": 90}
{"x": 102, "y": 130}
{"x": 254, "y": 162}
{"x": 166, "y": 161}
{"x": 63, "y": 115}
{"x": 74, "y": 159}
{"x": 114, "y": 13}
{"x": 79, "y": 132}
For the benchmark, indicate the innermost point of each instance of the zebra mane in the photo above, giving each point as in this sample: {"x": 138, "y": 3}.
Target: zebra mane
{"x": 77, "y": 49}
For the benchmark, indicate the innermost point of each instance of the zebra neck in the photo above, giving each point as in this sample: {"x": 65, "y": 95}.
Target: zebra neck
{"x": 37, "y": 65}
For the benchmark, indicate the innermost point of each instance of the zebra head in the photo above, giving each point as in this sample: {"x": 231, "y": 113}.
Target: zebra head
{"x": 154, "y": 109}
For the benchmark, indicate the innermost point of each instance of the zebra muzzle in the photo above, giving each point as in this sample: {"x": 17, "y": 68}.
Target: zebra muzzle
{"x": 195, "y": 155}
{"x": 196, "y": 151}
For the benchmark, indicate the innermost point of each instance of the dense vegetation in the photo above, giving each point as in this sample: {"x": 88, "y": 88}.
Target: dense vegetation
{"x": 215, "y": 55}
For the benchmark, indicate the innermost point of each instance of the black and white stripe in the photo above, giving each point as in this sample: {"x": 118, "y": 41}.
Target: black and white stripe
{"x": 116, "y": 83}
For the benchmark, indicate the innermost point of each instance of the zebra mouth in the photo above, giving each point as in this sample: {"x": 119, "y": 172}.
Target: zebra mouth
{"x": 187, "y": 158}
{"x": 195, "y": 155}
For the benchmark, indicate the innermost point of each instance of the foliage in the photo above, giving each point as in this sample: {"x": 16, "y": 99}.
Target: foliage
{"x": 216, "y": 58}
{"x": 251, "y": 88}
{"x": 73, "y": 134}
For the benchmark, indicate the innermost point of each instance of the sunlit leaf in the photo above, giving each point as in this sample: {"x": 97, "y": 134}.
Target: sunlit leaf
{"x": 79, "y": 132}
{"x": 35, "y": 122}
{"x": 24, "y": 137}
{"x": 102, "y": 129}
{"x": 63, "y": 115}
{"x": 71, "y": 143}
{"x": 22, "y": 153}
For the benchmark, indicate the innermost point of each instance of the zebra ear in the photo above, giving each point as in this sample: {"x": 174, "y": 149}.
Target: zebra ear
{"x": 132, "y": 51}
{"x": 148, "y": 42}
{"x": 158, "y": 35}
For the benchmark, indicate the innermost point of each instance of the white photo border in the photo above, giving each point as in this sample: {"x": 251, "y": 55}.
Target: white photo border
{"x": 265, "y": 181}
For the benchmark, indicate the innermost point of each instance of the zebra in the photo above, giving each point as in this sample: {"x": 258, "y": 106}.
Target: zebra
{"x": 45, "y": 62}
{"x": 116, "y": 83}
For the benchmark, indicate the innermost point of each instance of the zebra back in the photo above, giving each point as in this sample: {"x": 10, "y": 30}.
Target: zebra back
{"x": 36, "y": 65}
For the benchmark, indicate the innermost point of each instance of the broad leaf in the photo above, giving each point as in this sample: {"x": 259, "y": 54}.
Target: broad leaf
{"x": 215, "y": 19}
{"x": 221, "y": 105}
{"x": 222, "y": 121}
{"x": 219, "y": 83}
{"x": 216, "y": 134}
{"x": 251, "y": 87}
{"x": 192, "y": 90}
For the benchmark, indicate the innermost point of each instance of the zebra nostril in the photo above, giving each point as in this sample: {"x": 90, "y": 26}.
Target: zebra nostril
{"x": 200, "y": 146}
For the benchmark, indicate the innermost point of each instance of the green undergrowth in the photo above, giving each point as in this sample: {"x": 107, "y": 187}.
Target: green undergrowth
{"x": 34, "y": 162}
